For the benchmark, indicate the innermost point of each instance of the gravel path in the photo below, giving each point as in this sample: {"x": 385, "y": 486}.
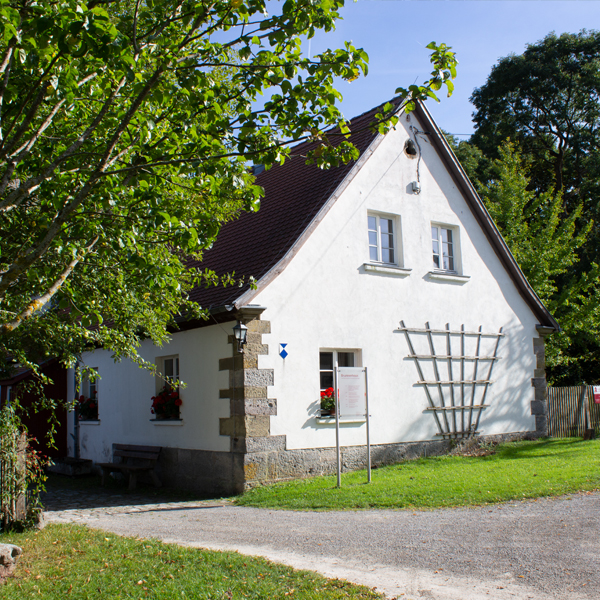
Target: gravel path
{"x": 538, "y": 550}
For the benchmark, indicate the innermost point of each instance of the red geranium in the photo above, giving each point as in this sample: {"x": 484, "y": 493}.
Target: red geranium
{"x": 165, "y": 405}
{"x": 328, "y": 400}
{"x": 87, "y": 409}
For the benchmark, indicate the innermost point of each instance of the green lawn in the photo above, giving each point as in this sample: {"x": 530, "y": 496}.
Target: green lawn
{"x": 518, "y": 470}
{"x": 64, "y": 562}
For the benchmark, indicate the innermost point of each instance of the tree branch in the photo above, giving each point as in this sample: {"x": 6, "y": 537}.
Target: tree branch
{"x": 40, "y": 302}
{"x": 135, "y": 18}
{"x": 21, "y": 152}
{"x": 5, "y": 70}
{"x": 5, "y": 150}
{"x": 22, "y": 263}
{"x": 24, "y": 190}
{"x": 36, "y": 85}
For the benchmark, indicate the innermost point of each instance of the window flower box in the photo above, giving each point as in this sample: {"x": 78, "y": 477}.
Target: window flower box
{"x": 165, "y": 405}
{"x": 328, "y": 402}
{"x": 87, "y": 408}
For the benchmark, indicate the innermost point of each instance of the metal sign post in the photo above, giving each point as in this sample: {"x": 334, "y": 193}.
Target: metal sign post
{"x": 368, "y": 431}
{"x": 351, "y": 403}
{"x": 337, "y": 425}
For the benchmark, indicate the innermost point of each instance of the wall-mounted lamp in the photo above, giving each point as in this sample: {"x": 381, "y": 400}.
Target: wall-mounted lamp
{"x": 240, "y": 331}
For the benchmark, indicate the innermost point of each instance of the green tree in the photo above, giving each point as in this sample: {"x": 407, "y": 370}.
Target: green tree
{"x": 546, "y": 245}
{"x": 126, "y": 129}
{"x": 548, "y": 101}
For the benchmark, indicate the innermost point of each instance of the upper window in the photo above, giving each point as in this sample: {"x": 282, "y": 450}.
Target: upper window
{"x": 444, "y": 248}
{"x": 383, "y": 240}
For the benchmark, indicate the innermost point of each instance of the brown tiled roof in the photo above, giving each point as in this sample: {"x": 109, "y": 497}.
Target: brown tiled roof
{"x": 294, "y": 193}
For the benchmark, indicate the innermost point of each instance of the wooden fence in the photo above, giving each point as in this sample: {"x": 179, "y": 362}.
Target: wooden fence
{"x": 572, "y": 410}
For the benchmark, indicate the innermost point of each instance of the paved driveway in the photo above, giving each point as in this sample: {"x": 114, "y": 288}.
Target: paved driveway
{"x": 538, "y": 550}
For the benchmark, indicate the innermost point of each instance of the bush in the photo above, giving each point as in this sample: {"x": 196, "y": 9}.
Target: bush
{"x": 21, "y": 473}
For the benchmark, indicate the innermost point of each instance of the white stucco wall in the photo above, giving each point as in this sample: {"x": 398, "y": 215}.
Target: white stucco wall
{"x": 324, "y": 299}
{"x": 125, "y": 392}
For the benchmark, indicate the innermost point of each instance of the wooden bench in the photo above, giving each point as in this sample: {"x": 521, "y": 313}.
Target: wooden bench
{"x": 134, "y": 460}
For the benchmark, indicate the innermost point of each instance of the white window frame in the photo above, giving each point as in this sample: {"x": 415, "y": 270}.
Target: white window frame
{"x": 335, "y": 358}
{"x": 161, "y": 365}
{"x": 455, "y": 256}
{"x": 8, "y": 395}
{"x": 396, "y": 238}
{"x": 92, "y": 386}
{"x": 90, "y": 389}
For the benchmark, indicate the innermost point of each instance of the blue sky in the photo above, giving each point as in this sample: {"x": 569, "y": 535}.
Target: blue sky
{"x": 395, "y": 34}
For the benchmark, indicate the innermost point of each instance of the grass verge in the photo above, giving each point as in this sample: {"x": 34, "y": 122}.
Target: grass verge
{"x": 74, "y": 562}
{"x": 516, "y": 471}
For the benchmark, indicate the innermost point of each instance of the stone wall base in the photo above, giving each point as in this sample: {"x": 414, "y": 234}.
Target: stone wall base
{"x": 203, "y": 472}
{"x": 228, "y": 473}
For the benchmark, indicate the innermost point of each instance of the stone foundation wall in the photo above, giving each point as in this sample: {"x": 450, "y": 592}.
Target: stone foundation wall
{"x": 265, "y": 460}
{"x": 279, "y": 464}
{"x": 202, "y": 471}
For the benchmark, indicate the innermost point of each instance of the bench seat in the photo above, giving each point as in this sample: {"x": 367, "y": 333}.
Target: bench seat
{"x": 134, "y": 460}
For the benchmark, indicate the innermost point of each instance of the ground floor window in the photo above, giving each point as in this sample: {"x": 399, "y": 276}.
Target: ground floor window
{"x": 327, "y": 360}
{"x": 167, "y": 402}
{"x": 87, "y": 404}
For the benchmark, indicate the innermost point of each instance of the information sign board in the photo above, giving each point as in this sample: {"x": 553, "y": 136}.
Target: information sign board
{"x": 352, "y": 392}
{"x": 597, "y": 394}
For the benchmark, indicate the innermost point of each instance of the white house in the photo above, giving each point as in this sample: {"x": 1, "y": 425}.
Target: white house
{"x": 391, "y": 262}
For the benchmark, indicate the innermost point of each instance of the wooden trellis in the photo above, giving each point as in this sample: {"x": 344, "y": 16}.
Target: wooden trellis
{"x": 455, "y": 410}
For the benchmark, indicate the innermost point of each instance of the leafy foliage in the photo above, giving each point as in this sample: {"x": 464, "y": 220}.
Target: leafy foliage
{"x": 546, "y": 244}
{"x": 543, "y": 244}
{"x": 126, "y": 129}
{"x": 21, "y": 473}
{"x": 547, "y": 102}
